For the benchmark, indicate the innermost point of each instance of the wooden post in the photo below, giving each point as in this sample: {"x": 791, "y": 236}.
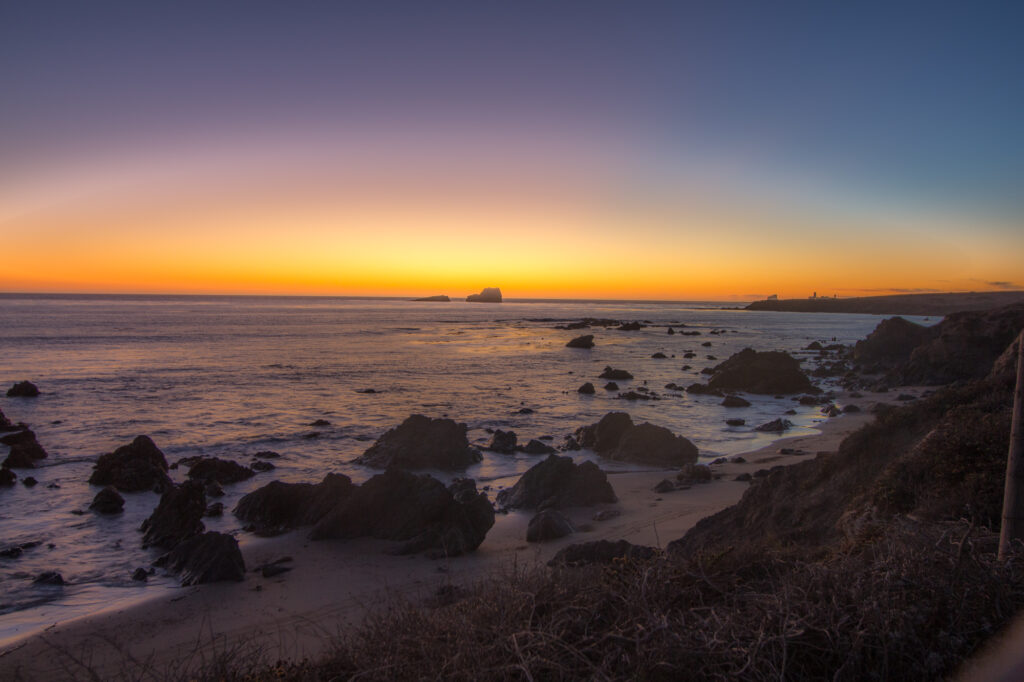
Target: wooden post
{"x": 1013, "y": 493}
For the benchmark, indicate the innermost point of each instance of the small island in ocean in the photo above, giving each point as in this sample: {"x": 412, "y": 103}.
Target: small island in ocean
{"x": 441, "y": 298}
{"x": 488, "y": 295}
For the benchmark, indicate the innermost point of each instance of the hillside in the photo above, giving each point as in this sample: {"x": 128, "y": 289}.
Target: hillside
{"x": 902, "y": 304}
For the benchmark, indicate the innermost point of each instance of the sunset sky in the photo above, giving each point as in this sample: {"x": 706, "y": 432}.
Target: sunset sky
{"x": 665, "y": 150}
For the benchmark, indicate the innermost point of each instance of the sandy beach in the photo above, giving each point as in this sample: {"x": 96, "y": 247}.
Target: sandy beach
{"x": 333, "y": 584}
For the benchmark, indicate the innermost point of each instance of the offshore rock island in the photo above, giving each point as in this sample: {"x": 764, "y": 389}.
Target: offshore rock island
{"x": 488, "y": 295}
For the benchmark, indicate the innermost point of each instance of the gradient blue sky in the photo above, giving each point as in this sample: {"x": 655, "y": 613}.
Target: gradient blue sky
{"x": 851, "y": 116}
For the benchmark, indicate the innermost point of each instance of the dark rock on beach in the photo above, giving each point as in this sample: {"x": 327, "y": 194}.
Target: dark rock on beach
{"x": 611, "y": 386}
{"x": 29, "y": 481}
{"x": 766, "y": 372}
{"x": 49, "y": 578}
{"x": 224, "y": 471}
{"x": 586, "y": 341}
{"x": 549, "y": 524}
{"x": 207, "y": 558}
{"x": 23, "y": 389}
{"x": 586, "y": 389}
{"x": 108, "y": 501}
{"x": 735, "y": 401}
{"x": 616, "y": 374}
{"x": 536, "y": 447}
{"x": 277, "y": 506}
{"x": 134, "y": 467}
{"x": 558, "y": 482}
{"x": 891, "y": 342}
{"x": 775, "y": 426}
{"x": 177, "y": 517}
{"x": 735, "y": 422}
{"x": 417, "y": 510}
{"x": 25, "y": 449}
{"x": 421, "y": 442}
{"x": 664, "y": 486}
{"x": 601, "y": 552}
{"x": 503, "y": 442}
{"x": 616, "y": 437}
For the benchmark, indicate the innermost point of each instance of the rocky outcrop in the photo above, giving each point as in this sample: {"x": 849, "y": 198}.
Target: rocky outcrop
{"x": 549, "y": 524}
{"x": 616, "y": 437}
{"x": 586, "y": 389}
{"x": 488, "y": 295}
{"x": 601, "y": 552}
{"x": 735, "y": 401}
{"x": 108, "y": 501}
{"x": 206, "y": 558}
{"x": 137, "y": 466}
{"x": 616, "y": 374}
{"x": 278, "y": 507}
{"x": 224, "y": 471}
{"x": 536, "y": 447}
{"x": 416, "y": 510}
{"x": 586, "y": 341}
{"x": 6, "y": 425}
{"x": 766, "y": 372}
{"x": 23, "y": 389}
{"x": 775, "y": 426}
{"x": 503, "y": 442}
{"x": 177, "y": 517}
{"x": 25, "y": 449}
{"x": 558, "y": 482}
{"x": 7, "y": 477}
{"x": 420, "y": 443}
{"x": 891, "y": 342}
{"x": 440, "y": 298}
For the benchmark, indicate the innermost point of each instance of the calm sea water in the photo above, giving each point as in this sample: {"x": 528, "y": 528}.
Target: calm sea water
{"x": 230, "y": 376}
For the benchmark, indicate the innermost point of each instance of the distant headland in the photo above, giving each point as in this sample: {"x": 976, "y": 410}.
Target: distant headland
{"x": 488, "y": 295}
{"x": 899, "y": 304}
{"x": 441, "y": 298}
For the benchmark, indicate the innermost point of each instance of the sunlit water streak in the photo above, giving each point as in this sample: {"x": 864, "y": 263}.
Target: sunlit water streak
{"x": 230, "y": 376}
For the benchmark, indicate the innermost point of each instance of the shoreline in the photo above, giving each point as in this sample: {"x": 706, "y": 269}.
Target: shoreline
{"x": 334, "y": 584}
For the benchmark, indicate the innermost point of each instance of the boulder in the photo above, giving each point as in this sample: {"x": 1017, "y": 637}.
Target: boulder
{"x": 891, "y": 342}
{"x": 25, "y": 449}
{"x": 694, "y": 473}
{"x": 421, "y": 442}
{"x": 735, "y": 422}
{"x": 630, "y": 327}
{"x": 586, "y": 389}
{"x": 558, "y": 482}
{"x": 29, "y": 481}
{"x": 659, "y": 356}
{"x": 616, "y": 374}
{"x": 601, "y": 552}
{"x": 23, "y": 389}
{"x": 549, "y": 524}
{"x": 6, "y": 425}
{"x": 49, "y": 578}
{"x": 605, "y": 434}
{"x": 108, "y": 501}
{"x": 177, "y": 517}
{"x": 137, "y": 466}
{"x": 417, "y": 510}
{"x": 207, "y": 558}
{"x": 766, "y": 372}
{"x": 611, "y": 386}
{"x": 278, "y": 507}
{"x": 585, "y": 341}
{"x": 7, "y": 477}
{"x": 616, "y": 437}
{"x": 735, "y": 401}
{"x": 775, "y": 426}
{"x": 536, "y": 447}
{"x": 503, "y": 442}
{"x": 488, "y": 295}
{"x": 140, "y": 575}
{"x": 664, "y": 486}
{"x": 224, "y": 471}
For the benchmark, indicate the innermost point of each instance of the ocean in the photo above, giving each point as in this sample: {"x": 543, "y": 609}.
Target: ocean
{"x": 230, "y": 376}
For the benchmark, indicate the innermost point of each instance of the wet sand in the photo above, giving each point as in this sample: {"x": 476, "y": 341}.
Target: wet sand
{"x": 334, "y": 583}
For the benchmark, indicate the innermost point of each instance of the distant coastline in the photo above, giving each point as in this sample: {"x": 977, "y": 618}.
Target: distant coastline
{"x": 899, "y": 304}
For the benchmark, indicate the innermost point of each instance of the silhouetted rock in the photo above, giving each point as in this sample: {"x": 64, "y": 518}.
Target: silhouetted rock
{"x": 735, "y": 422}
{"x": 601, "y": 552}
{"x": 6, "y": 425}
{"x": 319, "y": 422}
{"x": 224, "y": 471}
{"x": 694, "y": 473}
{"x": 421, "y": 442}
{"x": 617, "y": 374}
{"x": 29, "y": 481}
{"x": 664, "y": 486}
{"x": 891, "y": 342}
{"x": 659, "y": 356}
{"x": 140, "y": 575}
{"x": 616, "y": 437}
{"x": 851, "y": 409}
{"x": 215, "y": 509}
{"x": 503, "y": 442}
{"x": 177, "y": 517}
{"x": 23, "y": 389}
{"x": 259, "y": 466}
{"x": 137, "y": 466}
{"x": 277, "y": 506}
{"x": 586, "y": 389}
{"x": 586, "y": 341}
{"x": 735, "y": 401}
{"x": 630, "y": 327}
{"x": 49, "y": 578}
{"x": 417, "y": 510}
{"x": 207, "y": 558}
{"x": 108, "y": 501}
{"x": 488, "y": 295}
{"x": 775, "y": 426}
{"x": 440, "y": 298}
{"x": 25, "y": 449}
{"x": 766, "y": 372}
{"x": 7, "y": 477}
{"x": 744, "y": 478}
{"x": 549, "y": 524}
{"x": 558, "y": 482}
{"x": 611, "y": 386}
{"x": 671, "y": 331}
{"x": 536, "y": 447}
{"x": 813, "y": 345}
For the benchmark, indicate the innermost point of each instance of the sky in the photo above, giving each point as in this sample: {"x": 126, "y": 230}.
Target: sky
{"x": 663, "y": 150}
